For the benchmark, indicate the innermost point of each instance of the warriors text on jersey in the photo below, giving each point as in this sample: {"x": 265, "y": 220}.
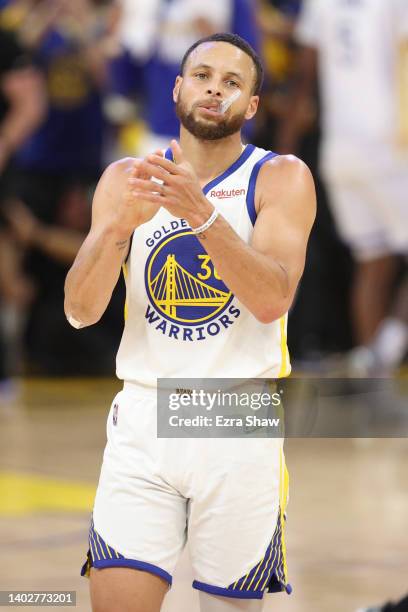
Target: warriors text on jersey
{"x": 181, "y": 319}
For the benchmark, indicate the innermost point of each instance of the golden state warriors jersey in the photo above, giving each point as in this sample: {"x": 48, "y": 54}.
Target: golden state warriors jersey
{"x": 181, "y": 320}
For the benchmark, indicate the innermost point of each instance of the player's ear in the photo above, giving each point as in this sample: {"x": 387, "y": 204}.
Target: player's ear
{"x": 252, "y": 107}
{"x": 176, "y": 89}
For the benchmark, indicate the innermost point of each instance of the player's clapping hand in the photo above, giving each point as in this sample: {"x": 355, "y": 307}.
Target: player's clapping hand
{"x": 135, "y": 209}
{"x": 179, "y": 190}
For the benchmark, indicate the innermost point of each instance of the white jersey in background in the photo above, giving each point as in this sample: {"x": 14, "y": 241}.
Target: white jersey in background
{"x": 181, "y": 319}
{"x": 358, "y": 44}
{"x": 361, "y": 158}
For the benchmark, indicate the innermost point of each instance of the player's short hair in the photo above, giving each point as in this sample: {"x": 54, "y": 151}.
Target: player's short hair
{"x": 236, "y": 41}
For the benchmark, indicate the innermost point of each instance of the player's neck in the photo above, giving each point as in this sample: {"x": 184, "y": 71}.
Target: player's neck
{"x": 210, "y": 158}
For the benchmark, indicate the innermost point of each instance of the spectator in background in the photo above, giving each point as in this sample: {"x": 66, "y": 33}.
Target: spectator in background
{"x": 56, "y": 170}
{"x": 356, "y": 47}
{"x": 155, "y": 35}
{"x": 71, "y": 42}
{"x": 276, "y": 19}
{"x": 22, "y": 106}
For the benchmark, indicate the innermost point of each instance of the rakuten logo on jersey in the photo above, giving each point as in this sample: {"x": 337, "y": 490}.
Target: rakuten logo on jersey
{"x": 223, "y": 194}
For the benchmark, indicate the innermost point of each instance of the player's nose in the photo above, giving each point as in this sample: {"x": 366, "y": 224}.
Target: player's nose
{"x": 214, "y": 89}
{"x": 213, "y": 92}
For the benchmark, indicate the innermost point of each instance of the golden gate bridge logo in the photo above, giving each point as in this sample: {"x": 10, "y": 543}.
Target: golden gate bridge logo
{"x": 174, "y": 286}
{"x": 178, "y": 293}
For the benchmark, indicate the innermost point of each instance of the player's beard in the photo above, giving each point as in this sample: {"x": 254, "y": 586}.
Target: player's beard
{"x": 207, "y": 130}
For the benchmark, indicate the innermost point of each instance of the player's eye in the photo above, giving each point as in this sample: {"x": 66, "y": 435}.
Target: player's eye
{"x": 232, "y": 83}
{"x": 201, "y": 76}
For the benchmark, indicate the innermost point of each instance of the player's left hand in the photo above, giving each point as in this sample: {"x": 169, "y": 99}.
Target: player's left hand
{"x": 180, "y": 192}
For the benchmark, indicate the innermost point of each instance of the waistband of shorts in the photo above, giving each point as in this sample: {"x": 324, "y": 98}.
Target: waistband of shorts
{"x": 138, "y": 389}
{"x": 151, "y": 391}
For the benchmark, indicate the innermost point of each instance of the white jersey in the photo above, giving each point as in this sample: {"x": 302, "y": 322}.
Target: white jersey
{"x": 358, "y": 44}
{"x": 181, "y": 320}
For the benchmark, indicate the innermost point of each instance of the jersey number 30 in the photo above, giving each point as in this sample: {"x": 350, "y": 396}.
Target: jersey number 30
{"x": 207, "y": 271}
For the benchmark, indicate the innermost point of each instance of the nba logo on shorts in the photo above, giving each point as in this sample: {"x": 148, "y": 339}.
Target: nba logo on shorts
{"x": 115, "y": 414}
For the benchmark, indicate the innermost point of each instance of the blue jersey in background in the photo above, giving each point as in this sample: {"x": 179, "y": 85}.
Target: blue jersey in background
{"x": 71, "y": 137}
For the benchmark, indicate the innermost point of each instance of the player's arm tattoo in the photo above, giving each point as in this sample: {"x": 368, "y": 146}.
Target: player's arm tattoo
{"x": 122, "y": 244}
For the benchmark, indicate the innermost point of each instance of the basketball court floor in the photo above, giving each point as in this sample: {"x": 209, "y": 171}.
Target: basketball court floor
{"x": 347, "y": 535}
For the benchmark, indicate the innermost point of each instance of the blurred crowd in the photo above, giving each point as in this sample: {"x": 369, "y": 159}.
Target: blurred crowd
{"x": 83, "y": 82}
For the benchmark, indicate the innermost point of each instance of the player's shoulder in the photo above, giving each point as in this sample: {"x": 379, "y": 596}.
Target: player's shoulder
{"x": 286, "y": 169}
{"x": 286, "y": 182}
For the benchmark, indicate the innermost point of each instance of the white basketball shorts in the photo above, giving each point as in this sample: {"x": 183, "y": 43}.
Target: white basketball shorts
{"x": 368, "y": 193}
{"x": 227, "y": 496}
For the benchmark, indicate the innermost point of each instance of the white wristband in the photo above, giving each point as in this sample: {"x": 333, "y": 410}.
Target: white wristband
{"x": 206, "y": 225}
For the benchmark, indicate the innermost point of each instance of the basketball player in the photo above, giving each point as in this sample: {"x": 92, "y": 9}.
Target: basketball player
{"x": 216, "y": 209}
{"x": 359, "y": 49}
